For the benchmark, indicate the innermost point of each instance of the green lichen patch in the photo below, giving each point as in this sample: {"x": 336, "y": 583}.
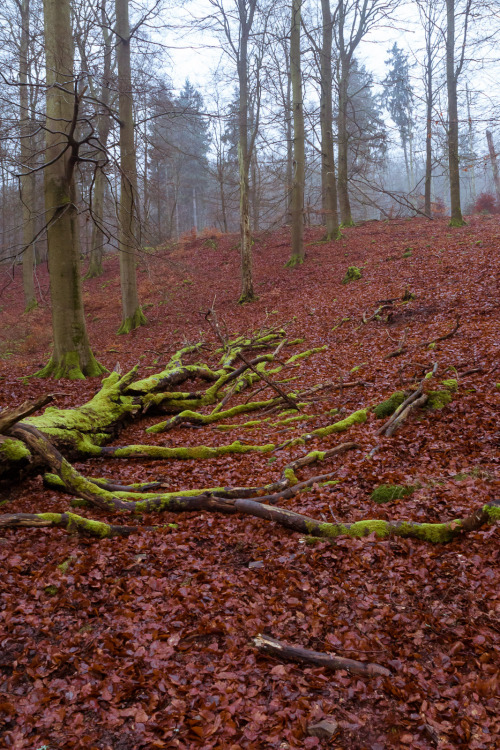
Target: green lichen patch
{"x": 353, "y": 273}
{"x": 387, "y": 493}
{"x": 388, "y": 407}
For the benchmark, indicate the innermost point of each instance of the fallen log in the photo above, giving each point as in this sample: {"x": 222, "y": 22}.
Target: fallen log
{"x": 9, "y": 417}
{"x": 70, "y": 521}
{"x": 283, "y": 651}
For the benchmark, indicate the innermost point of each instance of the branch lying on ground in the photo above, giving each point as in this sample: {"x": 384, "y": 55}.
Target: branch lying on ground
{"x": 282, "y": 651}
{"x": 9, "y": 417}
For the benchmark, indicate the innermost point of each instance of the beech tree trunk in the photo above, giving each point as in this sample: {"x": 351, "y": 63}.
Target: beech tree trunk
{"x": 328, "y": 179}
{"x": 451, "y": 82}
{"x": 494, "y": 163}
{"x": 343, "y": 145}
{"x": 132, "y": 315}
{"x": 297, "y": 200}
{"x": 97, "y": 240}
{"x": 28, "y": 181}
{"x": 428, "y": 135}
{"x": 247, "y": 291}
{"x": 72, "y": 356}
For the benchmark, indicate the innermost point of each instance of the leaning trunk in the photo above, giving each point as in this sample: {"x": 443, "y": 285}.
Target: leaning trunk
{"x": 451, "y": 82}
{"x": 328, "y": 179}
{"x": 132, "y": 315}
{"x": 297, "y": 202}
{"x": 72, "y": 356}
{"x": 27, "y": 181}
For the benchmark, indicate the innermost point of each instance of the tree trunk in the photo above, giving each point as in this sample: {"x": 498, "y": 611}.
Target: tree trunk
{"x": 297, "y": 202}
{"x": 247, "y": 292}
{"x": 451, "y": 82}
{"x": 289, "y": 138}
{"x": 494, "y": 163}
{"x": 428, "y": 134}
{"x": 132, "y": 315}
{"x": 97, "y": 241}
{"x": 72, "y": 357}
{"x": 27, "y": 182}
{"x": 343, "y": 145}
{"x": 328, "y": 179}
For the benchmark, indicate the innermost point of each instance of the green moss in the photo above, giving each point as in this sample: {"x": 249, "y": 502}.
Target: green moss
{"x": 331, "y": 483}
{"x": 135, "y": 321}
{"x": 289, "y": 475}
{"x": 357, "y": 417}
{"x": 13, "y": 450}
{"x": 387, "y": 408}
{"x": 451, "y": 384}
{"x": 64, "y": 566}
{"x": 438, "y": 399}
{"x": 304, "y": 355}
{"x": 291, "y": 420}
{"x": 493, "y": 512}
{"x": 387, "y": 493}
{"x": 51, "y": 590}
{"x": 192, "y": 452}
{"x": 69, "y": 366}
{"x": 294, "y": 261}
{"x": 353, "y": 273}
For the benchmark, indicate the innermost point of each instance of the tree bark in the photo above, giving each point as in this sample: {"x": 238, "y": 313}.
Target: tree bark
{"x": 247, "y": 290}
{"x": 72, "y": 357}
{"x": 132, "y": 315}
{"x": 494, "y": 163}
{"x": 343, "y": 145}
{"x": 451, "y": 83}
{"x": 27, "y": 181}
{"x": 328, "y": 179}
{"x": 97, "y": 240}
{"x": 429, "y": 100}
{"x": 297, "y": 199}
{"x": 299, "y": 654}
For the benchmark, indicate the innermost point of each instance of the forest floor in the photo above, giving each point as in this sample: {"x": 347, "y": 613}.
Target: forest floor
{"x": 147, "y": 642}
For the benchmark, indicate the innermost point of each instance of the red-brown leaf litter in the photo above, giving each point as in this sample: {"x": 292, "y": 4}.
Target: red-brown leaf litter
{"x": 147, "y": 642}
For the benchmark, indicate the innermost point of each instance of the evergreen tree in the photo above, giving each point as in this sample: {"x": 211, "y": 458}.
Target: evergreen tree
{"x": 398, "y": 98}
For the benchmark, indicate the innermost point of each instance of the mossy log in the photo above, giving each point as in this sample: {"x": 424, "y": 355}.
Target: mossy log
{"x": 73, "y": 523}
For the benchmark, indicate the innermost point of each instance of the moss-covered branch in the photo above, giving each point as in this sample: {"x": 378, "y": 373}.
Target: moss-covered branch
{"x": 70, "y": 521}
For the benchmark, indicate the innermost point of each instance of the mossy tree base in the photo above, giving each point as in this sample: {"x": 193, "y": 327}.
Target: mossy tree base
{"x": 136, "y": 320}
{"x": 294, "y": 261}
{"x": 457, "y": 222}
{"x": 70, "y": 366}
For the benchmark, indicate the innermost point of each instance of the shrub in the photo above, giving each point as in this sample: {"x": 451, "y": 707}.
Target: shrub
{"x": 486, "y": 203}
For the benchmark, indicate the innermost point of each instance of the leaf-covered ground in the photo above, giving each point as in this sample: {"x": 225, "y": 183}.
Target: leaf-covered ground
{"x": 147, "y": 642}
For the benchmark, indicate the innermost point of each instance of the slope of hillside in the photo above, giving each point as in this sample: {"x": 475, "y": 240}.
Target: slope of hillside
{"x": 148, "y": 642}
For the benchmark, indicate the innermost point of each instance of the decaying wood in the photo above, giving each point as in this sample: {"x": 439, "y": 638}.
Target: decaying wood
{"x": 10, "y": 417}
{"x": 414, "y": 400}
{"x": 288, "y": 399}
{"x": 70, "y": 521}
{"x": 285, "y": 652}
